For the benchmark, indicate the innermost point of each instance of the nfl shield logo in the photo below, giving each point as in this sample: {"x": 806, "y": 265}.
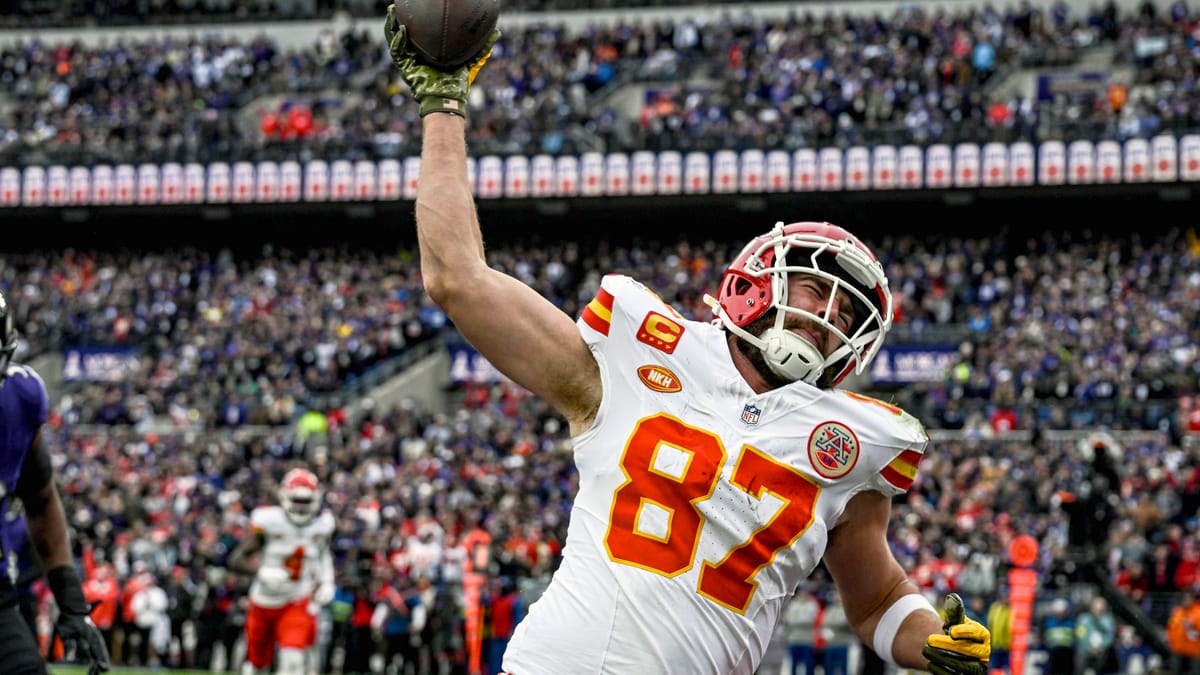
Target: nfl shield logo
{"x": 750, "y": 413}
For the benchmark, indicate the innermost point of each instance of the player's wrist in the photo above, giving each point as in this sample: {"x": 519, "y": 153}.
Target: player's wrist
{"x": 67, "y": 588}
{"x": 443, "y": 104}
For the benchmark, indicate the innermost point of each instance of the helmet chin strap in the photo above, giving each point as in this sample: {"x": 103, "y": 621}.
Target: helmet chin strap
{"x": 790, "y": 356}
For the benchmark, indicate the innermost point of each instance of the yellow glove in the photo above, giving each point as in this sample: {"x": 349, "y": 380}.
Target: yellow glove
{"x": 436, "y": 90}
{"x": 966, "y": 646}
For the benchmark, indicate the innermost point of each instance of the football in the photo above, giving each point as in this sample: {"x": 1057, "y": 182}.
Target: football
{"x": 447, "y": 33}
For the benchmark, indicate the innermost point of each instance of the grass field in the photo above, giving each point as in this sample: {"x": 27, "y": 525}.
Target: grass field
{"x": 119, "y": 670}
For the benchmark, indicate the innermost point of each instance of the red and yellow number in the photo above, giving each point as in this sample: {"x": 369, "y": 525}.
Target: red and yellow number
{"x": 673, "y": 554}
{"x": 729, "y": 582}
{"x": 294, "y": 563}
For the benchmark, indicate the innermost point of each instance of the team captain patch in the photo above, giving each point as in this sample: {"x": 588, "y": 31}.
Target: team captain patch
{"x": 832, "y": 449}
{"x": 660, "y": 332}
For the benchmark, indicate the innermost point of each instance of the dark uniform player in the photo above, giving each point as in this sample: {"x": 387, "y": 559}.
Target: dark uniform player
{"x": 22, "y": 565}
{"x": 26, "y": 474}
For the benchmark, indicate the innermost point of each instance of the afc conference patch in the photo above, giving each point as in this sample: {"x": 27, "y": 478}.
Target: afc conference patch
{"x": 751, "y": 413}
{"x": 832, "y": 449}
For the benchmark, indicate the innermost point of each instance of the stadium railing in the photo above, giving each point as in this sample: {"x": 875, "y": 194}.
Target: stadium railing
{"x": 1163, "y": 159}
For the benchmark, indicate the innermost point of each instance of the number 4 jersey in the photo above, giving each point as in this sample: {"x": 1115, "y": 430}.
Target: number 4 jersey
{"x": 295, "y": 549}
{"x": 702, "y": 505}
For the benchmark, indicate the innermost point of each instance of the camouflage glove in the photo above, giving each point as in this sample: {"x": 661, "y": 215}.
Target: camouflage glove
{"x": 966, "y": 646}
{"x": 435, "y": 90}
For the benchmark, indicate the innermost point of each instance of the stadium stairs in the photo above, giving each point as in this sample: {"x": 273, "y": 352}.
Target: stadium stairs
{"x": 1150, "y": 630}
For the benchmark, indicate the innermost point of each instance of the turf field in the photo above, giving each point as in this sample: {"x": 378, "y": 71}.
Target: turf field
{"x": 120, "y": 670}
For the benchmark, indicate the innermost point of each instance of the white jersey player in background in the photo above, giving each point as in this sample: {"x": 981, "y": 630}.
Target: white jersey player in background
{"x": 293, "y": 576}
{"x": 718, "y": 462}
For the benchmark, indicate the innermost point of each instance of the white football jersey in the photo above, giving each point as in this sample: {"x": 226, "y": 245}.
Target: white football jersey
{"x": 702, "y": 505}
{"x": 296, "y": 549}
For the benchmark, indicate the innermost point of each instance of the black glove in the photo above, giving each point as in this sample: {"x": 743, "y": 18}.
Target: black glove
{"x": 966, "y": 647}
{"x": 82, "y": 641}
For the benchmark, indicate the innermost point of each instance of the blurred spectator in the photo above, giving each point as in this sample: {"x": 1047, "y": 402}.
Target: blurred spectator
{"x": 1183, "y": 634}
{"x": 1058, "y": 636}
{"x": 837, "y": 637}
{"x": 341, "y": 609}
{"x": 150, "y": 607}
{"x": 1095, "y": 634}
{"x": 503, "y": 611}
{"x": 103, "y": 591}
{"x": 999, "y": 622}
{"x": 800, "y": 616}
{"x": 399, "y": 618}
{"x": 220, "y": 619}
{"x": 361, "y": 643}
{"x": 181, "y": 596}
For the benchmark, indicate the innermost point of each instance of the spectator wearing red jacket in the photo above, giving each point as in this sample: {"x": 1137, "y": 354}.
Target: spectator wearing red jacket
{"x": 104, "y": 592}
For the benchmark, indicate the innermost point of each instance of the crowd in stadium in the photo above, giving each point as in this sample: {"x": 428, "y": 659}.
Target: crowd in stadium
{"x": 168, "y": 12}
{"x": 1061, "y": 332}
{"x": 221, "y": 344}
{"x": 1056, "y": 333}
{"x": 914, "y": 76}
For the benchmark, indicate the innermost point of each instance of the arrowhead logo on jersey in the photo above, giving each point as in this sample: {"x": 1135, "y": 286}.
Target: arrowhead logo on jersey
{"x": 751, "y": 413}
{"x": 657, "y": 378}
{"x": 660, "y": 332}
{"x": 833, "y": 449}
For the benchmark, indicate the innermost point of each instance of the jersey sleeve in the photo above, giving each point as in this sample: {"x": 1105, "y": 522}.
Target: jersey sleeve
{"x": 595, "y": 321}
{"x": 264, "y": 520}
{"x": 31, "y": 392}
{"x": 899, "y": 474}
{"x": 900, "y": 441}
{"x": 619, "y": 303}
{"x": 326, "y": 525}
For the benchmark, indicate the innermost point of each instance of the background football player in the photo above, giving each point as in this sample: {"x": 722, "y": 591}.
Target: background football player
{"x": 293, "y": 576}
{"x": 27, "y": 474}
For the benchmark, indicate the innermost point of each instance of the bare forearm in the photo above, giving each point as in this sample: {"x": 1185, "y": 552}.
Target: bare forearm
{"x": 915, "y": 630}
{"x": 447, "y": 226}
{"x": 48, "y": 528}
{"x": 241, "y": 559}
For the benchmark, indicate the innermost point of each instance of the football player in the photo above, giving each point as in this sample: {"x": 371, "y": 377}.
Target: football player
{"x": 27, "y": 474}
{"x": 293, "y": 576}
{"x": 719, "y": 463}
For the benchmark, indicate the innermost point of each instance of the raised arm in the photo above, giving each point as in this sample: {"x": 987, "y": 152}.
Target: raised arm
{"x": 524, "y": 335}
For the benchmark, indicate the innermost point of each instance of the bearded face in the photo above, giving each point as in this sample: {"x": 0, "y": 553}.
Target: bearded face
{"x": 756, "y": 358}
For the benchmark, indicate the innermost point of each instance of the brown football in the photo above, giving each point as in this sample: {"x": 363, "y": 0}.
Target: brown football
{"x": 447, "y": 33}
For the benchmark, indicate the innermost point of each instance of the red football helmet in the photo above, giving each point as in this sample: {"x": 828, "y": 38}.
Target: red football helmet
{"x": 300, "y": 495}
{"x": 757, "y": 281}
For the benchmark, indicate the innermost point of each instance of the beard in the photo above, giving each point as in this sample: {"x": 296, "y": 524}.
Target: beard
{"x": 759, "y": 361}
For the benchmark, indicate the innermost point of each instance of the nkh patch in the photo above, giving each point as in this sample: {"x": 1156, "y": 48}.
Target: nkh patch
{"x": 660, "y": 379}
{"x": 751, "y": 413}
{"x": 832, "y": 449}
